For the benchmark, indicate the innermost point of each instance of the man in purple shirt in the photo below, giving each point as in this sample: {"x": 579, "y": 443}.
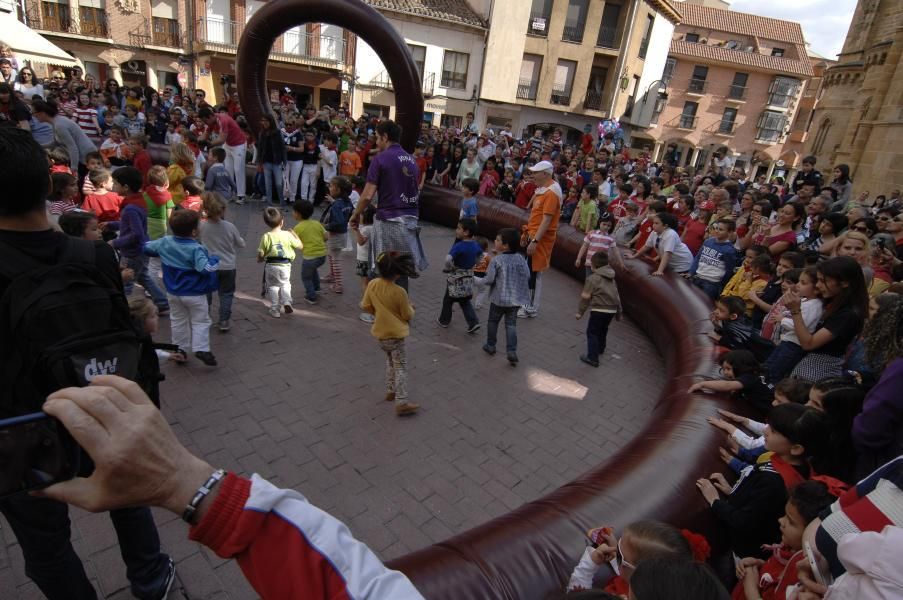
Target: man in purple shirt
{"x": 393, "y": 178}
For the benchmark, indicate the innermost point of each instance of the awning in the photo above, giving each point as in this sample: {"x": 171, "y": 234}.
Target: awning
{"x": 30, "y": 46}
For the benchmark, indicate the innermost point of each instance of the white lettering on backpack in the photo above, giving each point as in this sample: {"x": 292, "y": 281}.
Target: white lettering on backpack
{"x": 103, "y": 367}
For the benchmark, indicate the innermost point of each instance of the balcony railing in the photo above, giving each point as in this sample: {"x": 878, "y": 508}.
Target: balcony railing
{"x": 526, "y": 89}
{"x": 560, "y": 96}
{"x": 382, "y": 80}
{"x": 572, "y": 33}
{"x": 696, "y": 86}
{"x": 593, "y": 100}
{"x": 683, "y": 122}
{"x": 726, "y": 127}
{"x": 608, "y": 37}
{"x": 429, "y": 84}
{"x": 769, "y": 136}
{"x": 51, "y": 16}
{"x": 323, "y": 50}
{"x": 736, "y": 92}
{"x": 538, "y": 24}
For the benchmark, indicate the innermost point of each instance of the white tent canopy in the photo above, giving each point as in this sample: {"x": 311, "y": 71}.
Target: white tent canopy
{"x": 28, "y": 45}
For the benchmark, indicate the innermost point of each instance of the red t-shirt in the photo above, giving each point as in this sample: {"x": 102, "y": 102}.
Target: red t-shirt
{"x": 142, "y": 162}
{"x": 694, "y": 235}
{"x": 230, "y": 130}
{"x": 105, "y": 206}
{"x": 192, "y": 203}
{"x": 644, "y": 232}
{"x": 524, "y": 193}
{"x": 586, "y": 143}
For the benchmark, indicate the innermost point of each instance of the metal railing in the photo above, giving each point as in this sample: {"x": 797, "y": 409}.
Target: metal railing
{"x": 696, "y": 86}
{"x": 593, "y": 100}
{"x": 726, "y": 126}
{"x": 572, "y": 33}
{"x": 165, "y": 36}
{"x": 527, "y": 88}
{"x": 429, "y": 84}
{"x": 538, "y": 24}
{"x": 51, "y": 16}
{"x": 768, "y": 135}
{"x": 382, "y": 80}
{"x": 608, "y": 37}
{"x": 222, "y": 35}
{"x": 736, "y": 92}
{"x": 683, "y": 122}
{"x": 560, "y": 96}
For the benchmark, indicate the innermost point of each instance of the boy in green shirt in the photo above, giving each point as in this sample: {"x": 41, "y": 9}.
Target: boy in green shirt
{"x": 277, "y": 250}
{"x": 313, "y": 236}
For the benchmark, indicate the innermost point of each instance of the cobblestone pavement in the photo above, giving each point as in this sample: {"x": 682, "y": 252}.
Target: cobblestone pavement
{"x": 299, "y": 400}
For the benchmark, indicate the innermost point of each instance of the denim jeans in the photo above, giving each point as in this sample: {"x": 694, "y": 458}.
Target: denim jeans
{"x": 272, "y": 175}
{"x": 782, "y": 361}
{"x": 138, "y": 264}
{"x": 596, "y": 332}
{"x": 496, "y": 313}
{"x": 226, "y": 293}
{"x": 42, "y": 528}
{"x": 711, "y": 289}
{"x": 310, "y": 277}
{"x": 470, "y": 315}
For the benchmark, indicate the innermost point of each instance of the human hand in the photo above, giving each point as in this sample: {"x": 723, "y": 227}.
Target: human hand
{"x": 775, "y": 318}
{"x": 732, "y": 416}
{"x": 127, "y": 275}
{"x": 747, "y": 563}
{"x": 695, "y": 387}
{"x": 531, "y": 248}
{"x": 577, "y": 263}
{"x": 138, "y": 459}
{"x": 792, "y": 301}
{"x": 720, "y": 483}
{"x": 726, "y": 455}
{"x": 606, "y": 551}
{"x": 752, "y": 294}
{"x": 721, "y": 424}
{"x": 707, "y": 489}
{"x": 811, "y": 589}
{"x": 657, "y": 273}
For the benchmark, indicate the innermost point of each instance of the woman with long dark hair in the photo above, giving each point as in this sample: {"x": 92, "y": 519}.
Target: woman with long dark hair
{"x": 782, "y": 236}
{"x": 28, "y": 84}
{"x": 844, "y": 186}
{"x": 841, "y": 286}
{"x": 112, "y": 88}
{"x": 271, "y": 155}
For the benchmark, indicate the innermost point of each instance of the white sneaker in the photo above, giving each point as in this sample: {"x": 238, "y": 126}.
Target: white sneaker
{"x": 366, "y": 317}
{"x": 240, "y": 200}
{"x": 521, "y": 313}
{"x": 275, "y": 313}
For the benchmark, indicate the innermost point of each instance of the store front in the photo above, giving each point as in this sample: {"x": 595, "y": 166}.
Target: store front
{"x": 309, "y": 85}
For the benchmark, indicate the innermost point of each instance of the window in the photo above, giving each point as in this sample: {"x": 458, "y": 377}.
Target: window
{"x": 608, "y": 32}
{"x": 697, "y": 81}
{"x": 165, "y": 23}
{"x": 771, "y": 126}
{"x": 575, "y": 21}
{"x": 692, "y": 37}
{"x": 688, "y": 115}
{"x": 540, "y": 13}
{"x": 92, "y": 17}
{"x": 668, "y": 72}
{"x": 528, "y": 84}
{"x": 782, "y": 91}
{"x": 451, "y": 121}
{"x": 595, "y": 88}
{"x": 644, "y": 44}
{"x": 564, "y": 80}
{"x": 418, "y": 53}
{"x": 738, "y": 87}
{"x": 376, "y": 110}
{"x": 728, "y": 120}
{"x": 631, "y": 99}
{"x": 454, "y": 70}
{"x": 777, "y": 52}
{"x": 55, "y": 16}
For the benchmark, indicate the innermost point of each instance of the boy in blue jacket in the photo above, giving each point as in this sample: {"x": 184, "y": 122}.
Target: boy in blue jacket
{"x": 189, "y": 272}
{"x": 715, "y": 263}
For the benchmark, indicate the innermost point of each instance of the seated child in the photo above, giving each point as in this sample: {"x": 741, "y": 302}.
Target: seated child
{"x": 771, "y": 579}
{"x": 741, "y": 379}
{"x": 63, "y": 195}
{"x": 94, "y": 162}
{"x": 115, "y": 150}
{"x": 732, "y": 329}
{"x": 770, "y": 329}
{"x": 59, "y": 160}
{"x": 754, "y": 280}
{"x": 788, "y": 352}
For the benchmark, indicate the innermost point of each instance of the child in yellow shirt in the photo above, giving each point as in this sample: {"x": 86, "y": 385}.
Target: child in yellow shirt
{"x": 389, "y": 303}
{"x": 753, "y": 281}
{"x": 277, "y": 250}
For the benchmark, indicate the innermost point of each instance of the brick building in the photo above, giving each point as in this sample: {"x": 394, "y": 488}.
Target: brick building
{"x": 732, "y": 81}
{"x": 859, "y": 118}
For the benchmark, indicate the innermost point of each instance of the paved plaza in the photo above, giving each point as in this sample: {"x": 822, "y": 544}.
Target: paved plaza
{"x": 299, "y": 400}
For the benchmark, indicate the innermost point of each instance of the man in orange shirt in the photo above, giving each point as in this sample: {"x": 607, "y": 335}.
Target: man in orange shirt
{"x": 542, "y": 229}
{"x": 350, "y": 161}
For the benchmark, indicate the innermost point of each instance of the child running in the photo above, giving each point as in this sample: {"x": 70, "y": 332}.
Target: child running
{"x": 277, "y": 250}
{"x": 389, "y": 304}
{"x": 508, "y": 280}
{"x": 600, "y": 296}
{"x": 362, "y": 235}
{"x": 187, "y": 271}
{"x": 221, "y": 238}
{"x": 313, "y": 241}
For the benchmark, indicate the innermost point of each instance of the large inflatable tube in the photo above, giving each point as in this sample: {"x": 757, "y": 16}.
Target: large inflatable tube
{"x": 530, "y": 552}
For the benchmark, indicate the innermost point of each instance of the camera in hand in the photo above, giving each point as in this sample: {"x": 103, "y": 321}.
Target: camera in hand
{"x": 35, "y": 451}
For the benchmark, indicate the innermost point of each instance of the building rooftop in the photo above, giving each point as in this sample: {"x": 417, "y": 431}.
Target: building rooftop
{"x": 455, "y": 11}
{"x": 738, "y": 57}
{"x": 741, "y": 23}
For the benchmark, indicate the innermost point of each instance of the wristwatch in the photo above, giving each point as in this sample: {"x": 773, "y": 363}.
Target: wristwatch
{"x": 533, "y": 241}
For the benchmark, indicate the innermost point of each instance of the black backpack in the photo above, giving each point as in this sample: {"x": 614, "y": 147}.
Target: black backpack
{"x": 63, "y": 324}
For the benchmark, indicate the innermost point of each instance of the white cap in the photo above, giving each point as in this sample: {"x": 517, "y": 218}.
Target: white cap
{"x": 542, "y": 165}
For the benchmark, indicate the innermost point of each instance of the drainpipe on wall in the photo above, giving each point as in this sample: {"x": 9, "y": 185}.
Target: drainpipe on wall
{"x": 629, "y": 25}
{"x": 485, "y": 50}
{"x": 192, "y": 65}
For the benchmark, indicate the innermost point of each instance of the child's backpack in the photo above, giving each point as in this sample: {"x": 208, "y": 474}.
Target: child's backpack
{"x": 62, "y": 325}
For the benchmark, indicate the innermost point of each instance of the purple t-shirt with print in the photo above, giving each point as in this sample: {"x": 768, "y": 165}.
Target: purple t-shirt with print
{"x": 396, "y": 176}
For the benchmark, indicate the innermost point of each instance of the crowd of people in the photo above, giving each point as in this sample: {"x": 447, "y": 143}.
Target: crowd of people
{"x": 804, "y": 280}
